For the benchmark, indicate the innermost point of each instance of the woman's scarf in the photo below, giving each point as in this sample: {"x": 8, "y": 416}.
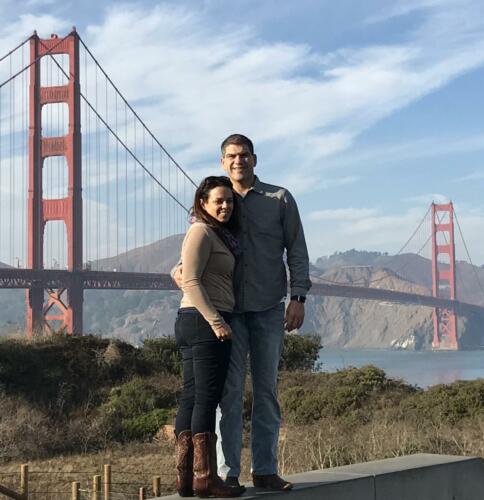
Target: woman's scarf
{"x": 227, "y": 237}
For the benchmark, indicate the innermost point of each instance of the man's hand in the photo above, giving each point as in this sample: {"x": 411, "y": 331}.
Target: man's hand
{"x": 294, "y": 315}
{"x": 223, "y": 332}
{"x": 177, "y": 277}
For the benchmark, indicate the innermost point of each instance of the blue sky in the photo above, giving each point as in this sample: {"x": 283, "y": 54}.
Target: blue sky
{"x": 366, "y": 111}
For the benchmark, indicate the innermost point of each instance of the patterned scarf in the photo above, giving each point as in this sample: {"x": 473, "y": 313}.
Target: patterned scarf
{"x": 227, "y": 237}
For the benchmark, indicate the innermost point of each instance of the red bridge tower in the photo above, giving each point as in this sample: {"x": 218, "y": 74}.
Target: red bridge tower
{"x": 443, "y": 275}
{"x": 46, "y": 306}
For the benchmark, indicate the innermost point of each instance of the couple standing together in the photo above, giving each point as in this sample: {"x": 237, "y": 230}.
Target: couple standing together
{"x": 234, "y": 284}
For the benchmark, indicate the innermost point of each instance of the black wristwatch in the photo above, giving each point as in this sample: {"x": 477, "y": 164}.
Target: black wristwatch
{"x": 299, "y": 298}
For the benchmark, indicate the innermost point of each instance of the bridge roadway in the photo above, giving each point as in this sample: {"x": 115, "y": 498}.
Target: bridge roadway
{"x": 111, "y": 280}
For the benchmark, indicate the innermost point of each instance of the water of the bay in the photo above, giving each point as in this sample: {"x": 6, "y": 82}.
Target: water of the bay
{"x": 417, "y": 368}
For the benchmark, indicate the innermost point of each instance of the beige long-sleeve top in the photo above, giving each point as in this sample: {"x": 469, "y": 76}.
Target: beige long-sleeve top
{"x": 207, "y": 274}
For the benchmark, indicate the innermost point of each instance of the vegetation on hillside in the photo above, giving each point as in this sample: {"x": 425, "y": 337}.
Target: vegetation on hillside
{"x": 82, "y": 395}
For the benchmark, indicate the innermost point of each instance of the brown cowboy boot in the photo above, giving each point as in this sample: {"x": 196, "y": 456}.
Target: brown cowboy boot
{"x": 206, "y": 482}
{"x": 184, "y": 463}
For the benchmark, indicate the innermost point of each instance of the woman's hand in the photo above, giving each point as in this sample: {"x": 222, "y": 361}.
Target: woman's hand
{"x": 223, "y": 332}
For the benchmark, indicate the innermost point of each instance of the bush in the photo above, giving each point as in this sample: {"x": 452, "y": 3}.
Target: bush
{"x": 147, "y": 425}
{"x": 135, "y": 408}
{"x": 447, "y": 404}
{"x": 353, "y": 394}
{"x": 163, "y": 355}
{"x": 300, "y": 352}
{"x": 62, "y": 372}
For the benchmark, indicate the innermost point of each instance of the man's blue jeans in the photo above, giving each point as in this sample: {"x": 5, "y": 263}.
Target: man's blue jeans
{"x": 261, "y": 335}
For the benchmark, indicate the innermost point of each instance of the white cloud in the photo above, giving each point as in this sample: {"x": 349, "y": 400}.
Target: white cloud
{"x": 403, "y": 8}
{"x": 199, "y": 84}
{"x": 427, "y": 198}
{"x": 342, "y": 214}
{"x": 429, "y": 147}
{"x": 474, "y": 176}
{"x": 328, "y": 231}
{"x": 194, "y": 83}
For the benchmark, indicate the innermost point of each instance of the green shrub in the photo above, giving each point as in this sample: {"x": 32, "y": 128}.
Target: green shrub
{"x": 447, "y": 403}
{"x": 133, "y": 409}
{"x": 300, "y": 352}
{"x": 137, "y": 397}
{"x": 353, "y": 394}
{"x": 163, "y": 355}
{"x": 62, "y": 372}
{"x": 145, "y": 426}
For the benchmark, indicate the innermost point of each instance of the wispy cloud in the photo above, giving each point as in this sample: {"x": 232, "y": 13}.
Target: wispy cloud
{"x": 202, "y": 85}
{"x": 474, "y": 176}
{"x": 194, "y": 82}
{"x": 375, "y": 229}
{"x": 342, "y": 214}
{"x": 403, "y": 8}
{"x": 429, "y": 147}
{"x": 428, "y": 198}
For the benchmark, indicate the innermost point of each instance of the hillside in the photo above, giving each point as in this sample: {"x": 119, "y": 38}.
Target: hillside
{"x": 411, "y": 267}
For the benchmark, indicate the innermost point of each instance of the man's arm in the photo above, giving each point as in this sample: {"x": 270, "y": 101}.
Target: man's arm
{"x": 297, "y": 261}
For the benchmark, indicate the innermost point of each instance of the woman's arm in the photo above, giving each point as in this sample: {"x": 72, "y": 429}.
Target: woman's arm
{"x": 196, "y": 250}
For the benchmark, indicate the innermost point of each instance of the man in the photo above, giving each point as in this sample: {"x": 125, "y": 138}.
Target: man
{"x": 269, "y": 225}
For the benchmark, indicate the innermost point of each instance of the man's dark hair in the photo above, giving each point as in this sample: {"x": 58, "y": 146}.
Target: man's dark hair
{"x": 203, "y": 192}
{"x": 238, "y": 140}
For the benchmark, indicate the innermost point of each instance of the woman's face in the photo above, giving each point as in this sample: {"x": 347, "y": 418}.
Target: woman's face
{"x": 219, "y": 204}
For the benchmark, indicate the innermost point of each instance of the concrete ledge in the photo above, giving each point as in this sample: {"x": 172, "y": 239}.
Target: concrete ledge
{"x": 412, "y": 477}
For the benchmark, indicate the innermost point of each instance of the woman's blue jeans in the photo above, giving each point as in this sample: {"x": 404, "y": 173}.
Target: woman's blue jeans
{"x": 205, "y": 363}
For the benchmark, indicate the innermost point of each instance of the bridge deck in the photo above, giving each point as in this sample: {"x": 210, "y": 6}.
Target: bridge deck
{"x": 110, "y": 280}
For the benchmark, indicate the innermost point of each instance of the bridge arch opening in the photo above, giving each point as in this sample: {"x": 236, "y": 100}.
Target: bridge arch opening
{"x": 54, "y": 178}
{"x": 54, "y": 70}
{"x": 55, "y": 119}
{"x": 55, "y": 245}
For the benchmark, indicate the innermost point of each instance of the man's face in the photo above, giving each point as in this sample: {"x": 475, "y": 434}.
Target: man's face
{"x": 238, "y": 162}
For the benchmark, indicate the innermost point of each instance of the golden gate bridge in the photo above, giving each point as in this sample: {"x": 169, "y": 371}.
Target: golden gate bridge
{"x": 72, "y": 203}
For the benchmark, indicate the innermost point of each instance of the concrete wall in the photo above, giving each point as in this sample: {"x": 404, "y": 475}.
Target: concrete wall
{"x": 413, "y": 477}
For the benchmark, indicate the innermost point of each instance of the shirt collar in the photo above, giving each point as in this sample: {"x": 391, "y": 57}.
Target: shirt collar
{"x": 257, "y": 187}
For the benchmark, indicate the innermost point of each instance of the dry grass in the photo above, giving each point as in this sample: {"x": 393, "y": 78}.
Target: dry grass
{"x": 133, "y": 466}
{"x": 304, "y": 448}
{"x": 325, "y": 444}
{"x": 330, "y": 444}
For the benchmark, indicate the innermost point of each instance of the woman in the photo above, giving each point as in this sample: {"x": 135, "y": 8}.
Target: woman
{"x": 203, "y": 334}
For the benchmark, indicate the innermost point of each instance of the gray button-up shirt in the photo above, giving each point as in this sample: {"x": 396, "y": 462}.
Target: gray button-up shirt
{"x": 269, "y": 224}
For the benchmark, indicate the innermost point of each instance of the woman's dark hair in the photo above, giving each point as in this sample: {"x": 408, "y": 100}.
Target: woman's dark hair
{"x": 202, "y": 193}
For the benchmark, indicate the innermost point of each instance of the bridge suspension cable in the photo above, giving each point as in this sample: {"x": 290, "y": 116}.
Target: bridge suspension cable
{"x": 135, "y": 193}
{"x": 134, "y": 112}
{"x": 19, "y": 46}
{"x": 468, "y": 254}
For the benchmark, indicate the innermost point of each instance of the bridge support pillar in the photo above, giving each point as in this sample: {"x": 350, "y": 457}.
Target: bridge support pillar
{"x": 50, "y": 311}
{"x": 443, "y": 275}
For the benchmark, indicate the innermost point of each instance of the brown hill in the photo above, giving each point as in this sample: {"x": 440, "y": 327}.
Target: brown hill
{"x": 410, "y": 267}
{"x": 158, "y": 257}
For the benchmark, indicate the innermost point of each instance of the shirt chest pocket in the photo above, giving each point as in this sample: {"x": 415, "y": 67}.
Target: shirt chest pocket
{"x": 268, "y": 226}
{"x": 265, "y": 218}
